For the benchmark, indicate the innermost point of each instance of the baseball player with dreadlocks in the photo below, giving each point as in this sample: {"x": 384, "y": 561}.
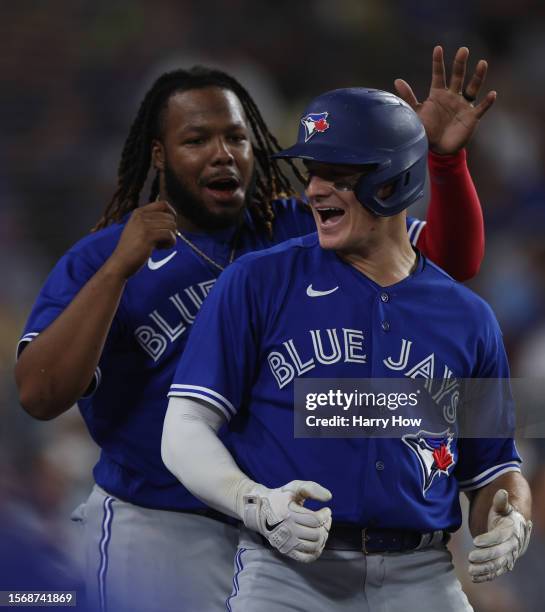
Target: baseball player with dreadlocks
{"x": 113, "y": 318}
{"x": 354, "y": 300}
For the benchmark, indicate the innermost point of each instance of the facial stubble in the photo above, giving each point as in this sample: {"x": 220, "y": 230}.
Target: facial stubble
{"x": 194, "y": 210}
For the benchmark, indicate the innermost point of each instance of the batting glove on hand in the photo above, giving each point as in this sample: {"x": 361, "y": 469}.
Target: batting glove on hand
{"x": 505, "y": 541}
{"x": 280, "y": 516}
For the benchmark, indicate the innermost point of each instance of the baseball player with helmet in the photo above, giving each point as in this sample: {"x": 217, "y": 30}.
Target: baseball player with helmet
{"x": 355, "y": 300}
{"x": 113, "y": 318}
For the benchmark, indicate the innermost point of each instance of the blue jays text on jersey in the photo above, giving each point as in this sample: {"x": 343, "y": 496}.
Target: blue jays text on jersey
{"x": 125, "y": 408}
{"x": 297, "y": 310}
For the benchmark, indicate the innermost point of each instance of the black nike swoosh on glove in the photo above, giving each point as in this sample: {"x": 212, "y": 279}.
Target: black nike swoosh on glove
{"x": 271, "y": 527}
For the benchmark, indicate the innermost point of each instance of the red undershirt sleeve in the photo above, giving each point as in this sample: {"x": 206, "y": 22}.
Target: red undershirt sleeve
{"x": 453, "y": 236}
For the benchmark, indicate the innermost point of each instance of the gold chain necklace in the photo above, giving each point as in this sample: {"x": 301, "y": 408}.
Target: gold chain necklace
{"x": 205, "y": 256}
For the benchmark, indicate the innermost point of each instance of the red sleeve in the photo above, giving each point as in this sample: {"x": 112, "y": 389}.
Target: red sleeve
{"x": 453, "y": 236}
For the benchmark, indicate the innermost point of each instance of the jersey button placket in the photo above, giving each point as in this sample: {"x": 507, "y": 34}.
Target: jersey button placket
{"x": 384, "y": 298}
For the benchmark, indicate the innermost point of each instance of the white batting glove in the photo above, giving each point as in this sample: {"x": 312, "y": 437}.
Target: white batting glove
{"x": 505, "y": 541}
{"x": 280, "y": 516}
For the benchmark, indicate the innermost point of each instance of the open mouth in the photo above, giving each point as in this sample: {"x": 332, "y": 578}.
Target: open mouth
{"x": 224, "y": 188}
{"x": 223, "y": 184}
{"x": 330, "y": 215}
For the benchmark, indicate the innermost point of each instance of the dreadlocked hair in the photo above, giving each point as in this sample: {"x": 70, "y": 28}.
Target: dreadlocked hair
{"x": 270, "y": 182}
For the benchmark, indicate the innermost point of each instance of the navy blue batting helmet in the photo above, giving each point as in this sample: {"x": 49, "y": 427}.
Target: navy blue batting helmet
{"x": 367, "y": 126}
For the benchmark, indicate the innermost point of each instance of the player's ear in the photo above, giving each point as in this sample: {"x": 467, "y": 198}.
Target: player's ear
{"x": 157, "y": 154}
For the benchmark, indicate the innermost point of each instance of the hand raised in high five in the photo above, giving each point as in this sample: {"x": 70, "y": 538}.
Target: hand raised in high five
{"x": 450, "y": 114}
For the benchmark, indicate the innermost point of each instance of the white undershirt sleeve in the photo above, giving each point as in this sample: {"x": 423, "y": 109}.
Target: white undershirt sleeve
{"x": 192, "y": 451}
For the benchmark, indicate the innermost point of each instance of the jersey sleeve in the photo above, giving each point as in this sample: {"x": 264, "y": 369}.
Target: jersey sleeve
{"x": 414, "y": 229}
{"x": 453, "y": 236}
{"x": 220, "y": 358}
{"x": 64, "y": 282}
{"x": 481, "y": 460}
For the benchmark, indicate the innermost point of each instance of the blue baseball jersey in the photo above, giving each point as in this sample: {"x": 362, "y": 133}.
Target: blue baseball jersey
{"x": 125, "y": 406}
{"x": 297, "y": 310}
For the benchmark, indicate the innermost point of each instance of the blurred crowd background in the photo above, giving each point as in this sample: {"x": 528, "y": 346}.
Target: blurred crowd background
{"x": 72, "y": 75}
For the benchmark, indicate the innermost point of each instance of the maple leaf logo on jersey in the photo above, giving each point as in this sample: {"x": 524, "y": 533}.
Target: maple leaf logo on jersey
{"x": 314, "y": 123}
{"x": 433, "y": 451}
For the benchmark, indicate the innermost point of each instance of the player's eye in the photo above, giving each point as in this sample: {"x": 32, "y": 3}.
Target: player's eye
{"x": 194, "y": 141}
{"x": 341, "y": 183}
{"x": 345, "y": 183}
{"x": 237, "y": 138}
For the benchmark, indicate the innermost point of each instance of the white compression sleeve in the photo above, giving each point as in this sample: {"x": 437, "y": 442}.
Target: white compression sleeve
{"x": 191, "y": 450}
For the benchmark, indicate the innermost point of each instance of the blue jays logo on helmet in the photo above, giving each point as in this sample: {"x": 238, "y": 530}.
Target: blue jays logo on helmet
{"x": 369, "y": 127}
{"x": 434, "y": 454}
{"x": 314, "y": 123}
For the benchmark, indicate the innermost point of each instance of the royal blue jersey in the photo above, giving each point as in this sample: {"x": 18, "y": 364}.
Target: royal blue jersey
{"x": 125, "y": 406}
{"x": 262, "y": 327}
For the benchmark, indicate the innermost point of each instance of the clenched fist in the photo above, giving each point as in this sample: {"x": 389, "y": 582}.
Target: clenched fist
{"x": 149, "y": 227}
{"x": 280, "y": 516}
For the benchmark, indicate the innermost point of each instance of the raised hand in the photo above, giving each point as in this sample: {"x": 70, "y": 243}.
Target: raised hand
{"x": 149, "y": 227}
{"x": 450, "y": 114}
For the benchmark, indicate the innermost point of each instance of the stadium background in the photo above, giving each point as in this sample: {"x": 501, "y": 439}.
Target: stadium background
{"x": 73, "y": 73}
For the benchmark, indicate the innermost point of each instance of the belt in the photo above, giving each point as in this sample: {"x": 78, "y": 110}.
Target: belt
{"x": 369, "y": 541}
